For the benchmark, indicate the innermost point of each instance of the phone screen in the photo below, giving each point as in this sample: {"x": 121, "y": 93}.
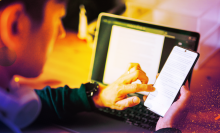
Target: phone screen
{"x": 170, "y": 80}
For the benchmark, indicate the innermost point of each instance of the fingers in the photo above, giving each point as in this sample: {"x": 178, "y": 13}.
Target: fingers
{"x": 133, "y": 76}
{"x": 184, "y": 91}
{"x": 144, "y": 97}
{"x": 157, "y": 75}
{"x": 128, "y": 102}
{"x": 134, "y": 65}
{"x": 187, "y": 84}
{"x": 185, "y": 97}
{"x": 132, "y": 88}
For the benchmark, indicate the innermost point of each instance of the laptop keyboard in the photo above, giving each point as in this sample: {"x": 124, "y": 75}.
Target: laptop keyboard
{"x": 138, "y": 115}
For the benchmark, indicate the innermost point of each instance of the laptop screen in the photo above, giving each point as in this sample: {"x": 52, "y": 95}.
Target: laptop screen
{"x": 120, "y": 41}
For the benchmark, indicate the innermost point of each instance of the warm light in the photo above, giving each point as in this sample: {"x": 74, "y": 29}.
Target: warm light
{"x": 16, "y": 79}
{"x": 83, "y": 24}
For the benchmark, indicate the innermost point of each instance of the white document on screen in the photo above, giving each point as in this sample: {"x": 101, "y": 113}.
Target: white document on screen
{"x": 132, "y": 46}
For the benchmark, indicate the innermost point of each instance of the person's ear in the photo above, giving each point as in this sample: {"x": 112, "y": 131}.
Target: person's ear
{"x": 12, "y": 23}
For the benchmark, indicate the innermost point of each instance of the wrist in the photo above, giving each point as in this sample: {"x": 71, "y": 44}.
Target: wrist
{"x": 91, "y": 90}
{"x": 158, "y": 127}
{"x": 168, "y": 130}
{"x": 163, "y": 124}
{"x": 97, "y": 98}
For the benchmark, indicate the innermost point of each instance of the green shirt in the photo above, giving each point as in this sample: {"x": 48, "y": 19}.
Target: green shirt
{"x": 62, "y": 103}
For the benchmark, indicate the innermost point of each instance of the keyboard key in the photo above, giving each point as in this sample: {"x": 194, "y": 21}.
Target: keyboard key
{"x": 138, "y": 115}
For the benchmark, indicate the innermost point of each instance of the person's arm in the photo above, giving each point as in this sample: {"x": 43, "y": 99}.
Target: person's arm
{"x": 176, "y": 113}
{"x": 62, "y": 103}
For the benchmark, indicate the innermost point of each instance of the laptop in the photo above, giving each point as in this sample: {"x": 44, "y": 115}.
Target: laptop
{"x": 120, "y": 41}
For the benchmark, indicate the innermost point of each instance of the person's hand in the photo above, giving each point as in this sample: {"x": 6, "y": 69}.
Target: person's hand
{"x": 115, "y": 95}
{"x": 178, "y": 110}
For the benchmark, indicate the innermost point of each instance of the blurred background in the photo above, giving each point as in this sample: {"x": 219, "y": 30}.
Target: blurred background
{"x": 202, "y": 16}
{"x": 93, "y": 8}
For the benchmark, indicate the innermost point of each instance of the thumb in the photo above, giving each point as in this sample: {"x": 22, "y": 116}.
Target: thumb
{"x": 128, "y": 102}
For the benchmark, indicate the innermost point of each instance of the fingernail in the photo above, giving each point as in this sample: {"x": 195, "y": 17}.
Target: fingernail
{"x": 153, "y": 88}
{"x": 136, "y": 100}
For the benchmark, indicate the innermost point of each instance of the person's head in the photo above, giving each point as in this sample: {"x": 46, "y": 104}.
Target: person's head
{"x": 28, "y": 31}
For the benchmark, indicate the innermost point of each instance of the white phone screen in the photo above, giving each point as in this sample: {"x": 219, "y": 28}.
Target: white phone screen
{"x": 170, "y": 80}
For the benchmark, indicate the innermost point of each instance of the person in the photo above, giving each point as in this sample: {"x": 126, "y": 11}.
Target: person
{"x": 28, "y": 31}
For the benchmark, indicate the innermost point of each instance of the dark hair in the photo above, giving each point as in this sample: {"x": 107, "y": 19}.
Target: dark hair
{"x": 34, "y": 8}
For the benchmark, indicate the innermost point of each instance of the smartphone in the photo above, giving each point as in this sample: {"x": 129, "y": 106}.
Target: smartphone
{"x": 172, "y": 76}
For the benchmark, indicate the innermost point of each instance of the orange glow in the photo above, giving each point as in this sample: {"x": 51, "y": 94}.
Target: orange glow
{"x": 217, "y": 117}
{"x": 16, "y": 79}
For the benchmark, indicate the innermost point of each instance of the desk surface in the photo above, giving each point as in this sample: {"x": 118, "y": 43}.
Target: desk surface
{"x": 69, "y": 64}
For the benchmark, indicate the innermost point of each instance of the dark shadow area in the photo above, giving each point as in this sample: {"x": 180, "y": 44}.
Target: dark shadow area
{"x": 93, "y": 8}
